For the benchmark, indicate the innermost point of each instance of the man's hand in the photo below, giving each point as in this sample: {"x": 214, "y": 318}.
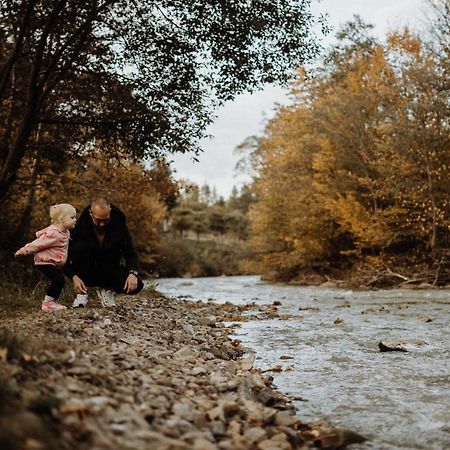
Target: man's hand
{"x": 78, "y": 285}
{"x": 21, "y": 252}
{"x": 130, "y": 283}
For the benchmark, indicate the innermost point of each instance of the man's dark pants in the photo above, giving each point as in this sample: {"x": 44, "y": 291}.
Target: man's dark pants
{"x": 99, "y": 273}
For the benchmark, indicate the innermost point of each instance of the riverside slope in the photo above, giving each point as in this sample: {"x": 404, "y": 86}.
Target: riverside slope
{"x": 153, "y": 373}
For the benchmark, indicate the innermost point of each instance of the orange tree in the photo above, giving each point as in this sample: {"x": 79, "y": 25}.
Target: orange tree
{"x": 358, "y": 164}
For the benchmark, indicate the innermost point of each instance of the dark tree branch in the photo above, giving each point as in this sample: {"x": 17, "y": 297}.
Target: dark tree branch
{"x": 6, "y": 70}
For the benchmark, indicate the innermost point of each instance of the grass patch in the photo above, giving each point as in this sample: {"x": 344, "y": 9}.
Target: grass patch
{"x": 22, "y": 289}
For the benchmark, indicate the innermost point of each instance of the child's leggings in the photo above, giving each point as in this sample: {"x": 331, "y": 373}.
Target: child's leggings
{"x": 56, "y": 279}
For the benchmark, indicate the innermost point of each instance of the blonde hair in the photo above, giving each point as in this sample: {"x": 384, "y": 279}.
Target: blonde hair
{"x": 57, "y": 212}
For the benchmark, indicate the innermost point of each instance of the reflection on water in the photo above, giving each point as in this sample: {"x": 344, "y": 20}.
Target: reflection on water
{"x": 398, "y": 400}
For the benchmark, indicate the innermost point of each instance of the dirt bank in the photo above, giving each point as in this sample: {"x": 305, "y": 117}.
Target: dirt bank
{"x": 153, "y": 373}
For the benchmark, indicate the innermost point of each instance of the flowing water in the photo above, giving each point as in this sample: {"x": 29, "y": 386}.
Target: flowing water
{"x": 398, "y": 400}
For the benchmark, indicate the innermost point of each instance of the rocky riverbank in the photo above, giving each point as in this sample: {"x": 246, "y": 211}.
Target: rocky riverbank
{"x": 153, "y": 373}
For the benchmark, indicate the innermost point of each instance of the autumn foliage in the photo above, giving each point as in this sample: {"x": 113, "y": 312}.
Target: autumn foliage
{"x": 357, "y": 167}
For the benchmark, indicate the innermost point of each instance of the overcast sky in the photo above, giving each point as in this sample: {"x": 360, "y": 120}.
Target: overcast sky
{"x": 245, "y": 116}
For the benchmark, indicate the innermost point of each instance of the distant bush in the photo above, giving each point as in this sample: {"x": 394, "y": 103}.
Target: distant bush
{"x": 178, "y": 257}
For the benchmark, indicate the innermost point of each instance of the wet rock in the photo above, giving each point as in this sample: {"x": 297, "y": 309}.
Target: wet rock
{"x": 293, "y": 436}
{"x": 404, "y": 345}
{"x": 425, "y": 318}
{"x": 375, "y": 309}
{"x": 391, "y": 346}
{"x": 309, "y": 308}
{"x": 278, "y": 368}
{"x": 272, "y": 311}
{"x": 247, "y": 363}
{"x": 338, "y": 439}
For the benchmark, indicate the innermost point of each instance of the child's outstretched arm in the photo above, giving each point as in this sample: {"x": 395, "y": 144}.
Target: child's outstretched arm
{"x": 45, "y": 240}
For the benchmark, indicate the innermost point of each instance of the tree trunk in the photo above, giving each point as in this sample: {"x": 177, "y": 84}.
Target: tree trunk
{"x": 41, "y": 85}
{"x": 6, "y": 133}
{"x": 34, "y": 100}
{"x": 8, "y": 172}
{"x": 25, "y": 221}
{"x": 433, "y": 239}
{"x": 8, "y": 67}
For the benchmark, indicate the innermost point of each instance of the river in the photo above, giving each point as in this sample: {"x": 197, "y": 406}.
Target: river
{"x": 398, "y": 400}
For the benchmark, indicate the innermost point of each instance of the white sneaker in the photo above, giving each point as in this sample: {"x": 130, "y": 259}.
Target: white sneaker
{"x": 106, "y": 297}
{"x": 80, "y": 301}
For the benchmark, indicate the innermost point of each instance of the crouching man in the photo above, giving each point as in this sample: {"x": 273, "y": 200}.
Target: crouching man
{"x": 99, "y": 241}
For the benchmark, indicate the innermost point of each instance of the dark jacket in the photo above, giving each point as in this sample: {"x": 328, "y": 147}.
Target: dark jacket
{"x": 116, "y": 245}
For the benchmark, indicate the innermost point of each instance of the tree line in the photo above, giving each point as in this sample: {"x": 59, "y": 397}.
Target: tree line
{"x": 200, "y": 211}
{"x": 204, "y": 234}
{"x": 356, "y": 169}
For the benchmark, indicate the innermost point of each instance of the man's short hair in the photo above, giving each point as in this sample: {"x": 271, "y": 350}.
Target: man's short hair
{"x": 100, "y": 203}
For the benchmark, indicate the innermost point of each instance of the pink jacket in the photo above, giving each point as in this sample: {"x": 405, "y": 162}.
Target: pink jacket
{"x": 50, "y": 247}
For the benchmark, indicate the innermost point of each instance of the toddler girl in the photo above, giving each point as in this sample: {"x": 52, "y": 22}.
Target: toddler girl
{"x": 50, "y": 251}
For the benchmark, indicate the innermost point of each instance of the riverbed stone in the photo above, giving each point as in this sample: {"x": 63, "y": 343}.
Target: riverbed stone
{"x": 425, "y": 318}
{"x": 391, "y": 346}
{"x": 254, "y": 434}
{"x": 277, "y": 442}
{"x": 203, "y": 444}
{"x": 285, "y": 418}
{"x": 209, "y": 321}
